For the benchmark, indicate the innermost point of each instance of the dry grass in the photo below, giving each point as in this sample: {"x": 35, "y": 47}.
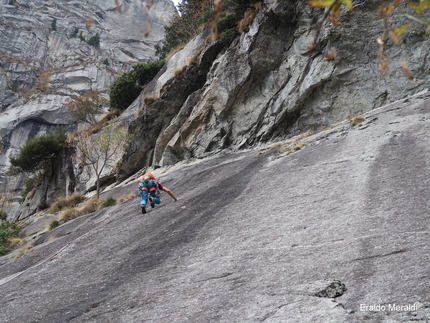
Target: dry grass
{"x": 174, "y": 51}
{"x": 193, "y": 60}
{"x": 23, "y": 251}
{"x": 97, "y": 127}
{"x": 91, "y": 206}
{"x": 243, "y": 25}
{"x": 178, "y": 71}
{"x": 64, "y": 203}
{"x": 42, "y": 83}
{"x": 357, "y": 120}
{"x": 299, "y": 146}
{"x": 70, "y": 214}
{"x": 150, "y": 98}
{"x": 110, "y": 115}
{"x": 15, "y": 242}
{"x": 140, "y": 111}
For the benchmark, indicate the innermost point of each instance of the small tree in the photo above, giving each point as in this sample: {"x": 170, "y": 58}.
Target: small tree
{"x": 38, "y": 152}
{"x": 99, "y": 151}
{"x": 94, "y": 41}
{"x": 86, "y": 107}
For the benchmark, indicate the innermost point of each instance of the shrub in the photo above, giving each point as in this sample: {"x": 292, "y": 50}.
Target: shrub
{"x": 110, "y": 201}
{"x": 53, "y": 224}
{"x": 14, "y": 86}
{"x": 106, "y": 62}
{"x": 94, "y": 41}
{"x": 123, "y": 91}
{"x": 7, "y": 232}
{"x": 126, "y": 88}
{"x": 146, "y": 72}
{"x": 38, "y": 152}
{"x": 54, "y": 24}
{"x": 3, "y": 216}
{"x": 196, "y": 15}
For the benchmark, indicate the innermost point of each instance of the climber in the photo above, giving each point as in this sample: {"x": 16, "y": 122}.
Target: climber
{"x": 148, "y": 188}
{"x": 160, "y": 186}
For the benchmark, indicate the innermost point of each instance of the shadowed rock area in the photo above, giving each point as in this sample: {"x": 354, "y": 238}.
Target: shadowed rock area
{"x": 320, "y": 228}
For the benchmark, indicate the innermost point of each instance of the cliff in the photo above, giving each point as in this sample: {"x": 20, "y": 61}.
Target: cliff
{"x": 248, "y": 93}
{"x": 46, "y": 59}
{"x": 328, "y": 227}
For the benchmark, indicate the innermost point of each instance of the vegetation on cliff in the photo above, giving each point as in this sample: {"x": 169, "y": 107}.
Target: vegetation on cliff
{"x": 225, "y": 18}
{"x": 38, "y": 152}
{"x": 126, "y": 88}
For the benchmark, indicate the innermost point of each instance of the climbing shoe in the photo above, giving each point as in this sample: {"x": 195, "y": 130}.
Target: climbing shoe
{"x": 143, "y": 209}
{"x": 152, "y": 202}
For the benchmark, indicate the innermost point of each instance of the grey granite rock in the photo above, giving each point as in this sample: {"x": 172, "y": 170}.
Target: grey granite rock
{"x": 254, "y": 237}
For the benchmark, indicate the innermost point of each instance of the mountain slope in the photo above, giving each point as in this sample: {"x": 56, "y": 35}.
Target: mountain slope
{"x": 269, "y": 235}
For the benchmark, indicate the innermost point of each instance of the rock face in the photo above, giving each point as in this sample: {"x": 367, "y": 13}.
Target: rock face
{"x": 210, "y": 97}
{"x": 251, "y": 93}
{"x": 45, "y": 59}
{"x": 337, "y": 231}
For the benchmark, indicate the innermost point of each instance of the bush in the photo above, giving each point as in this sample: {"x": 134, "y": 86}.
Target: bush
{"x": 38, "y": 152}
{"x": 110, "y": 201}
{"x": 144, "y": 73}
{"x": 54, "y": 24}
{"x": 53, "y": 224}
{"x": 94, "y": 41}
{"x": 126, "y": 88}
{"x": 14, "y": 86}
{"x": 196, "y": 15}
{"x": 7, "y": 232}
{"x": 123, "y": 91}
{"x": 3, "y": 216}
